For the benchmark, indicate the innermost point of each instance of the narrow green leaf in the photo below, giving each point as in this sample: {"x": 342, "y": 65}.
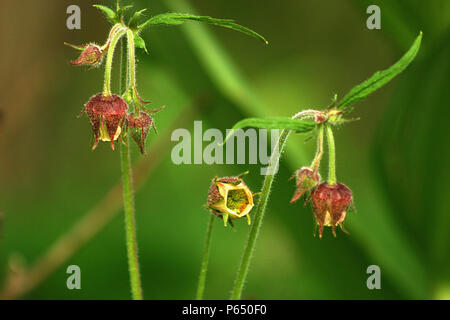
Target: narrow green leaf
{"x": 108, "y": 12}
{"x": 179, "y": 18}
{"x": 134, "y": 21}
{"x": 273, "y": 123}
{"x": 139, "y": 42}
{"x": 380, "y": 78}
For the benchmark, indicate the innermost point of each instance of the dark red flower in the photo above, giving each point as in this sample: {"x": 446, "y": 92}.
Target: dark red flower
{"x": 107, "y": 115}
{"x": 91, "y": 55}
{"x": 306, "y": 179}
{"x": 330, "y": 204}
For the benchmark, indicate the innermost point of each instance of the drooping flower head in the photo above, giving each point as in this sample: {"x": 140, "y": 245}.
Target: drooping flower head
{"x": 91, "y": 55}
{"x": 230, "y": 198}
{"x": 306, "y": 179}
{"x": 107, "y": 115}
{"x": 139, "y": 126}
{"x": 330, "y": 204}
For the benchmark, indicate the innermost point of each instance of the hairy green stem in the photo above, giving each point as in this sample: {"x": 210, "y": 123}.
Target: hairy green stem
{"x": 319, "y": 153}
{"x": 132, "y": 71}
{"x": 331, "y": 157}
{"x": 128, "y": 202}
{"x": 131, "y": 59}
{"x": 205, "y": 260}
{"x": 259, "y": 215}
{"x": 109, "y": 60}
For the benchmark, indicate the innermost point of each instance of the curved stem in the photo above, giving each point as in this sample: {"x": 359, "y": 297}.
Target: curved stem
{"x": 128, "y": 202}
{"x": 131, "y": 59}
{"x": 331, "y": 157}
{"x": 110, "y": 36}
{"x": 310, "y": 113}
{"x": 132, "y": 71}
{"x": 109, "y": 60}
{"x": 319, "y": 153}
{"x": 205, "y": 260}
{"x": 259, "y": 215}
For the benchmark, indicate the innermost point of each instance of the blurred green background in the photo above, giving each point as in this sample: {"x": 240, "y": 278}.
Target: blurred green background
{"x": 395, "y": 159}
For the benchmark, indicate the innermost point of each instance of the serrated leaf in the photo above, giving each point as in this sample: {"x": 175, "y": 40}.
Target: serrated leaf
{"x": 139, "y": 42}
{"x": 297, "y": 125}
{"x": 179, "y": 18}
{"x": 108, "y": 12}
{"x": 134, "y": 20}
{"x": 379, "y": 79}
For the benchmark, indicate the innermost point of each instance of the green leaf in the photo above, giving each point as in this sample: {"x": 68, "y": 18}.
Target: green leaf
{"x": 122, "y": 10}
{"x": 379, "y": 79}
{"x": 133, "y": 23}
{"x": 108, "y": 12}
{"x": 179, "y": 18}
{"x": 139, "y": 42}
{"x": 297, "y": 125}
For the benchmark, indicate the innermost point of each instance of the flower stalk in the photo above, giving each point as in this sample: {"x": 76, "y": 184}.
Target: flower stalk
{"x": 319, "y": 153}
{"x": 331, "y": 157}
{"x": 205, "y": 260}
{"x": 259, "y": 215}
{"x": 116, "y": 35}
{"x": 132, "y": 66}
{"x": 128, "y": 199}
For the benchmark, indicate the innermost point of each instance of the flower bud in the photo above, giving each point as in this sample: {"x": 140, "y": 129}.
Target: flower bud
{"x": 230, "y": 198}
{"x": 306, "y": 179}
{"x": 330, "y": 204}
{"x": 92, "y": 55}
{"x": 139, "y": 127}
{"x": 107, "y": 115}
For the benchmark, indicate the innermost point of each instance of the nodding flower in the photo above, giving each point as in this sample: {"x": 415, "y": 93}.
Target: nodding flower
{"x": 91, "y": 55}
{"x": 107, "y": 115}
{"x": 306, "y": 179}
{"x": 230, "y": 198}
{"x": 330, "y": 204}
{"x": 139, "y": 126}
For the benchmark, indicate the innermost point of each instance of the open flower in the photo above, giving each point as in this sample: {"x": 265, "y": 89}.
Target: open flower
{"x": 230, "y": 198}
{"x": 306, "y": 179}
{"x": 107, "y": 115}
{"x": 330, "y": 204}
{"x": 91, "y": 55}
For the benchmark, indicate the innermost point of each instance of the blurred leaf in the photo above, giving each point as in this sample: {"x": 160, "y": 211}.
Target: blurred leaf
{"x": 108, "y": 12}
{"x": 134, "y": 20}
{"x": 379, "y": 79}
{"x": 122, "y": 10}
{"x": 172, "y": 18}
{"x": 403, "y": 161}
{"x": 139, "y": 42}
{"x": 273, "y": 123}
